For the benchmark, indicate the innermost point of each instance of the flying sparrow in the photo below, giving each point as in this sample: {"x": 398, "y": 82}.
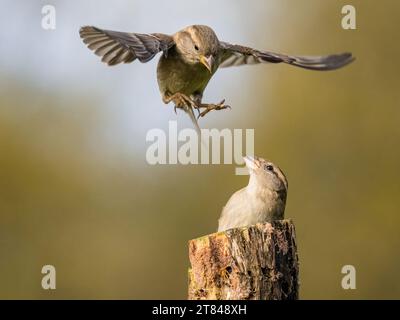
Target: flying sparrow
{"x": 189, "y": 60}
{"x": 262, "y": 200}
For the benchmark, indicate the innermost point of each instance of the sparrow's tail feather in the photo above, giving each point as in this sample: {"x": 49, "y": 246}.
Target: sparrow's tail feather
{"x": 192, "y": 117}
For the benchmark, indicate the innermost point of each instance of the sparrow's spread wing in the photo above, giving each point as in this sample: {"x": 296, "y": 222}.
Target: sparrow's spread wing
{"x": 116, "y": 47}
{"x": 235, "y": 55}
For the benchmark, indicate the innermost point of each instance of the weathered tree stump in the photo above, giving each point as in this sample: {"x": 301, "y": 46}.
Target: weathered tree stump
{"x": 258, "y": 262}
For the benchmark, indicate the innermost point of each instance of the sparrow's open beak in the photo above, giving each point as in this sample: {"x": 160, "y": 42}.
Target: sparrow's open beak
{"x": 208, "y": 62}
{"x": 251, "y": 162}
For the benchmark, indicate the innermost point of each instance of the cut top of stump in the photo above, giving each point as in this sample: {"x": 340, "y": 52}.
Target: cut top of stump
{"x": 257, "y": 262}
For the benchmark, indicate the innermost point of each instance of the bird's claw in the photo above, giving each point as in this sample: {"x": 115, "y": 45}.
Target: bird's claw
{"x": 210, "y": 107}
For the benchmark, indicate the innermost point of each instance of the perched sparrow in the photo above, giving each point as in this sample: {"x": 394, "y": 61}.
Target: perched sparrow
{"x": 263, "y": 200}
{"x": 190, "y": 58}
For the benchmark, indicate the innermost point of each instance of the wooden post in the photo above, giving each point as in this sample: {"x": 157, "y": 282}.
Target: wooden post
{"x": 258, "y": 262}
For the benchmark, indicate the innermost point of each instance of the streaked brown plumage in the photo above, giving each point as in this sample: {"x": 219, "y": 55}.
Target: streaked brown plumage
{"x": 190, "y": 58}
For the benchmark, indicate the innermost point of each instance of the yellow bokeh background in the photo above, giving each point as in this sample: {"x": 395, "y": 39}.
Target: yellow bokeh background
{"x": 76, "y": 191}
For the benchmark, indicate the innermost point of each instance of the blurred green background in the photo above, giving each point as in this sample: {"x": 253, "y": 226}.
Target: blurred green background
{"x": 76, "y": 191}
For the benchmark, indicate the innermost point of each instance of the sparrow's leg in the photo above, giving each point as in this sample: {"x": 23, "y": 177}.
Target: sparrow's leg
{"x": 210, "y": 106}
{"x": 182, "y": 101}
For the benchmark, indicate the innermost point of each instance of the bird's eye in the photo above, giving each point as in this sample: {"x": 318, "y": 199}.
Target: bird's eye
{"x": 269, "y": 167}
{"x": 196, "y": 47}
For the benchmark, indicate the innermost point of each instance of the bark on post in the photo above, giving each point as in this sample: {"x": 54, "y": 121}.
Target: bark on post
{"x": 258, "y": 262}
